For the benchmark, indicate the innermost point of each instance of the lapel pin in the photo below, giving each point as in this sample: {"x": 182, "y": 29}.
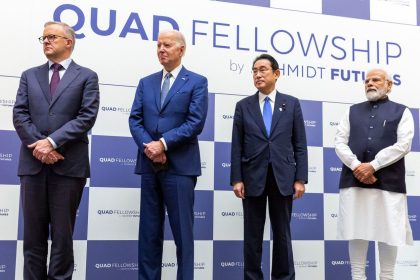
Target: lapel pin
{"x": 283, "y": 107}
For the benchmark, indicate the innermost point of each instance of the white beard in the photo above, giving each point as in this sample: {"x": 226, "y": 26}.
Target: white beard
{"x": 375, "y": 95}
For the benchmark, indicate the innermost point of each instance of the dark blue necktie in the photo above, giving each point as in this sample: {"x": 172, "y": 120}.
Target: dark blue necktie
{"x": 165, "y": 88}
{"x": 267, "y": 115}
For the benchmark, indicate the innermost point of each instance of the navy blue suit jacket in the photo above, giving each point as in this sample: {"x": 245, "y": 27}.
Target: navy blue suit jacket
{"x": 179, "y": 121}
{"x": 66, "y": 118}
{"x": 252, "y": 149}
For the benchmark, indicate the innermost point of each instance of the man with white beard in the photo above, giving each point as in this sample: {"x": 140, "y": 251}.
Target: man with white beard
{"x": 371, "y": 141}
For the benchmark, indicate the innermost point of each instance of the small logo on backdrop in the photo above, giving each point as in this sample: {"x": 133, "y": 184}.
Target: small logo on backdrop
{"x": 199, "y": 265}
{"x": 123, "y": 110}
{"x": 4, "y": 211}
{"x": 412, "y": 218}
{"x": 6, "y": 157}
{"x": 7, "y": 102}
{"x": 200, "y": 214}
{"x": 232, "y": 264}
{"x": 410, "y": 173}
{"x": 408, "y": 263}
{"x": 310, "y": 123}
{"x": 124, "y": 266}
{"x": 120, "y": 212}
{"x": 306, "y": 264}
{"x": 335, "y": 169}
{"x": 312, "y": 169}
{"x": 203, "y": 164}
{"x": 118, "y": 160}
{"x": 3, "y": 268}
{"x": 226, "y": 164}
{"x": 231, "y": 214}
{"x": 227, "y": 117}
{"x": 305, "y": 215}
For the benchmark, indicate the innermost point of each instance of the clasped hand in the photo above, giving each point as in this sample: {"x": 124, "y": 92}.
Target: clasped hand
{"x": 44, "y": 152}
{"x": 364, "y": 173}
{"x": 155, "y": 151}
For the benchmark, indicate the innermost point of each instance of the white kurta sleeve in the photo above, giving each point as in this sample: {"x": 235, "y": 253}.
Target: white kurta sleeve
{"x": 391, "y": 154}
{"x": 341, "y": 141}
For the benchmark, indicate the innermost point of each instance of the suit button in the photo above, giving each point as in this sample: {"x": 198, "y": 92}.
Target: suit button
{"x": 369, "y": 138}
{"x": 51, "y": 114}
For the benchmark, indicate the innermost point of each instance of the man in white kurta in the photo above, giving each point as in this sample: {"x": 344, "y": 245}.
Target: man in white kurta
{"x": 371, "y": 141}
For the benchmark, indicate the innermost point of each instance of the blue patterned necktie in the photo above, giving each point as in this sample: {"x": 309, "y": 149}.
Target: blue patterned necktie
{"x": 267, "y": 115}
{"x": 165, "y": 88}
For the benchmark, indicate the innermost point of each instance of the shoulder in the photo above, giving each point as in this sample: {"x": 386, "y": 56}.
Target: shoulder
{"x": 287, "y": 97}
{"x": 36, "y": 68}
{"x": 399, "y": 105}
{"x": 246, "y": 100}
{"x": 359, "y": 105}
{"x": 192, "y": 75}
{"x": 152, "y": 77}
{"x": 85, "y": 70}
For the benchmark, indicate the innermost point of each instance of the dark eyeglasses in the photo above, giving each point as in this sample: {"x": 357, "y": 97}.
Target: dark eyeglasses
{"x": 50, "y": 38}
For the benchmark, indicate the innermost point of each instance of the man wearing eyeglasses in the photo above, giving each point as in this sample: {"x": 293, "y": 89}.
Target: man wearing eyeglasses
{"x": 269, "y": 161}
{"x": 56, "y": 105}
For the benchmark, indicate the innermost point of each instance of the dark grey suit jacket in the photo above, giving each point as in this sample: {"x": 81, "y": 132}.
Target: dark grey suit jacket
{"x": 66, "y": 118}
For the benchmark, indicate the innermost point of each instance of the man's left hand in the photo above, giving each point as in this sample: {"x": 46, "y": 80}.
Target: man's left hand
{"x": 41, "y": 148}
{"x": 299, "y": 189}
{"x": 363, "y": 172}
{"x": 153, "y": 149}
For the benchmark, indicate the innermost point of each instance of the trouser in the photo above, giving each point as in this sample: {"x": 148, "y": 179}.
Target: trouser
{"x": 358, "y": 252}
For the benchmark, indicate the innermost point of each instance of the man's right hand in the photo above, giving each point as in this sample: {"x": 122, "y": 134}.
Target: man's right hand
{"x": 369, "y": 180}
{"x": 52, "y": 157}
{"x": 239, "y": 189}
{"x": 160, "y": 158}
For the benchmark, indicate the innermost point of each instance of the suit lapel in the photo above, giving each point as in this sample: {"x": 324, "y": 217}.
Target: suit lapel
{"x": 157, "y": 87}
{"x": 255, "y": 112}
{"x": 180, "y": 81}
{"x": 279, "y": 106}
{"x": 42, "y": 77}
{"x": 71, "y": 73}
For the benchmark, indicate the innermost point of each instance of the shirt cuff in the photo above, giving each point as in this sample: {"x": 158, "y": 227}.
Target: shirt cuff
{"x": 355, "y": 164}
{"x": 164, "y": 143}
{"x": 52, "y": 142}
{"x": 375, "y": 164}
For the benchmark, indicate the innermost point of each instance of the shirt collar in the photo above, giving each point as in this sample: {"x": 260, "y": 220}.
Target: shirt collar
{"x": 65, "y": 63}
{"x": 174, "y": 72}
{"x": 271, "y": 95}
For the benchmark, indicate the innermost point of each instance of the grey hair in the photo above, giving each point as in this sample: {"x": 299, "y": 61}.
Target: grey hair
{"x": 386, "y": 74}
{"x": 68, "y": 31}
{"x": 179, "y": 37}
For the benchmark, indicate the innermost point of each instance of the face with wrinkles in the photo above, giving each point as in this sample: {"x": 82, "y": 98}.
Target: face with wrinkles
{"x": 377, "y": 86}
{"x": 264, "y": 76}
{"x": 57, "y": 46}
{"x": 170, "y": 49}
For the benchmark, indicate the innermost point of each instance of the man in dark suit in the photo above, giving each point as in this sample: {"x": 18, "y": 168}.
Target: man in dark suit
{"x": 56, "y": 105}
{"x": 168, "y": 112}
{"x": 269, "y": 160}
